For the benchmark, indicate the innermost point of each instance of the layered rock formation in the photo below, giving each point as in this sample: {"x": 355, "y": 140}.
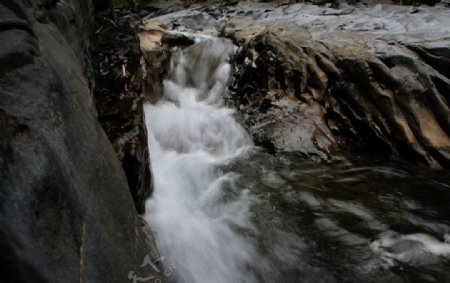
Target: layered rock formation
{"x": 319, "y": 81}
{"x": 67, "y": 214}
{"x": 373, "y": 77}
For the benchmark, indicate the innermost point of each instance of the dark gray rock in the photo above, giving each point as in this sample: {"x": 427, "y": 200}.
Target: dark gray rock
{"x": 67, "y": 214}
{"x": 119, "y": 100}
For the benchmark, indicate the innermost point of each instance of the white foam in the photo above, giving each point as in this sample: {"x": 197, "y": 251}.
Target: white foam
{"x": 195, "y": 208}
{"x": 413, "y": 249}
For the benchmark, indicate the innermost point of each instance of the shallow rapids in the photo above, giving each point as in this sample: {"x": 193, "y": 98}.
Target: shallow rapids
{"x": 196, "y": 209}
{"x": 223, "y": 210}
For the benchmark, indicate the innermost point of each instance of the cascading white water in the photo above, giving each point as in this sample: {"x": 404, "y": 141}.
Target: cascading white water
{"x": 195, "y": 209}
{"x": 311, "y": 222}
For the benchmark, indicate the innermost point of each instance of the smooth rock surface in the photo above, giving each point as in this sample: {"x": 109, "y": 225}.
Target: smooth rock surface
{"x": 67, "y": 214}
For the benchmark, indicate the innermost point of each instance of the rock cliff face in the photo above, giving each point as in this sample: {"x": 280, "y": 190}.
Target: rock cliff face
{"x": 67, "y": 214}
{"x": 319, "y": 81}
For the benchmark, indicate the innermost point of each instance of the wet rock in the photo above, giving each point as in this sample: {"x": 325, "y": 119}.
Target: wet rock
{"x": 156, "y": 58}
{"x": 356, "y": 81}
{"x": 176, "y": 39}
{"x": 67, "y": 213}
{"x": 119, "y": 100}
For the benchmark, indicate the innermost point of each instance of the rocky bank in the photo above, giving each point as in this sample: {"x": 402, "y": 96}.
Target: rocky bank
{"x": 321, "y": 81}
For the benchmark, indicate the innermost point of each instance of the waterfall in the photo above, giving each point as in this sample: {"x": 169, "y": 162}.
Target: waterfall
{"x": 224, "y": 212}
{"x": 197, "y": 213}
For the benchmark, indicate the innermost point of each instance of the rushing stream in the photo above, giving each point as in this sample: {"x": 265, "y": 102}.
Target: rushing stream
{"x": 225, "y": 211}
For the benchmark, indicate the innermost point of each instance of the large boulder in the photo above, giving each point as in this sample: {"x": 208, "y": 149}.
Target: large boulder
{"x": 67, "y": 214}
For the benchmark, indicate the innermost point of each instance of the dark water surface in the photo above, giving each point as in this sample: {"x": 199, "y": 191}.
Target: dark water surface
{"x": 359, "y": 221}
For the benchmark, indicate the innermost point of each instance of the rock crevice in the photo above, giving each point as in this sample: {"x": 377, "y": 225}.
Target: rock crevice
{"x": 119, "y": 98}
